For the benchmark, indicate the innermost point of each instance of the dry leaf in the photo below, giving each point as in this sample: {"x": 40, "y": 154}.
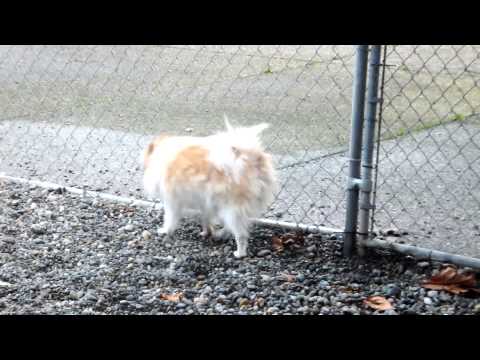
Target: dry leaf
{"x": 244, "y": 302}
{"x": 277, "y": 244}
{"x": 378, "y": 303}
{"x": 280, "y": 242}
{"x": 260, "y": 302}
{"x": 172, "y": 297}
{"x": 348, "y": 290}
{"x": 450, "y": 280}
{"x": 288, "y": 277}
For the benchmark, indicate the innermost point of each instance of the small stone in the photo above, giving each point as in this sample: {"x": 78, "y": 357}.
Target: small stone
{"x": 146, "y": 235}
{"x": 188, "y": 130}
{"x": 266, "y": 278}
{"x": 311, "y": 248}
{"x": 263, "y": 253}
{"x": 323, "y": 284}
{"x": 242, "y": 302}
{"x": 376, "y": 272}
{"x": 445, "y": 296}
{"x": 393, "y": 291}
{"x": 207, "y": 290}
{"x": 272, "y": 310}
{"x": 251, "y": 287}
{"x": 325, "y": 310}
{"x": 476, "y": 308}
{"x": 432, "y": 294}
{"x": 4, "y": 284}
{"x": 427, "y": 301}
{"x": 390, "y": 312}
{"x": 39, "y": 229}
{"x": 200, "y": 300}
{"x": 128, "y": 227}
{"x": 423, "y": 264}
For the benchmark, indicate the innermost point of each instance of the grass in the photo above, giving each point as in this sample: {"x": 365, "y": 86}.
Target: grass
{"x": 401, "y": 132}
{"x": 268, "y": 71}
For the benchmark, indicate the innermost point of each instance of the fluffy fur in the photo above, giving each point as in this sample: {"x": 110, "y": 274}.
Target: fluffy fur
{"x": 228, "y": 177}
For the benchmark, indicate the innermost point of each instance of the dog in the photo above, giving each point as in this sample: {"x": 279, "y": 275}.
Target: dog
{"x": 228, "y": 177}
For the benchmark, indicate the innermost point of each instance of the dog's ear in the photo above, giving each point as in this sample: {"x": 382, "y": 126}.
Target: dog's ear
{"x": 145, "y": 156}
{"x": 257, "y": 129}
{"x": 227, "y": 123}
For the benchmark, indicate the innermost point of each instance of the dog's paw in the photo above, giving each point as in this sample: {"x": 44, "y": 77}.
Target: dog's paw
{"x": 205, "y": 234}
{"x": 162, "y": 232}
{"x": 239, "y": 255}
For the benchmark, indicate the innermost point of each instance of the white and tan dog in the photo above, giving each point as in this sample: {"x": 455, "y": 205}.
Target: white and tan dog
{"x": 228, "y": 177}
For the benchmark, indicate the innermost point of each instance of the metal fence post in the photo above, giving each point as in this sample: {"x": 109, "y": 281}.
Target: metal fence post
{"x": 358, "y": 108}
{"x": 368, "y": 146}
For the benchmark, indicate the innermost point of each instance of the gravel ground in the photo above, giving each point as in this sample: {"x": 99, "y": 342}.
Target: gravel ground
{"x": 63, "y": 254}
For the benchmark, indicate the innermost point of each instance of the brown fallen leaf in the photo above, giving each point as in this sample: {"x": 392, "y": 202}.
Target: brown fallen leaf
{"x": 244, "y": 302}
{"x": 260, "y": 302}
{"x": 348, "y": 290}
{"x": 288, "y": 277}
{"x": 287, "y": 240}
{"x": 449, "y": 279}
{"x": 172, "y": 297}
{"x": 277, "y": 244}
{"x": 378, "y": 303}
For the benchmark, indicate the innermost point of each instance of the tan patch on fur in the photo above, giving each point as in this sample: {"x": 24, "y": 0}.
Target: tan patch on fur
{"x": 258, "y": 164}
{"x": 151, "y": 148}
{"x": 190, "y": 163}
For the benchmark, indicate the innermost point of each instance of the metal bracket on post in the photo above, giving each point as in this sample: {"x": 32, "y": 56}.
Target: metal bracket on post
{"x": 359, "y": 184}
{"x": 363, "y": 185}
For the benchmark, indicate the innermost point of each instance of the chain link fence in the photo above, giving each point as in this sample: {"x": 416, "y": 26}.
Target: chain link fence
{"x": 429, "y": 150}
{"x": 80, "y": 115}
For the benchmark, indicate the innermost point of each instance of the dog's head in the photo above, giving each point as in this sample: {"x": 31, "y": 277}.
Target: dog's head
{"x": 147, "y": 153}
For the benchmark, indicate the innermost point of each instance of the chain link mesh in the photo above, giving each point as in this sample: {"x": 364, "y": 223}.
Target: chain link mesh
{"x": 429, "y": 155}
{"x": 80, "y": 115}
